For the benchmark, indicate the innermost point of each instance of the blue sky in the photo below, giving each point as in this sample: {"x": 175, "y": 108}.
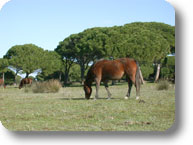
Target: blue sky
{"x": 47, "y": 22}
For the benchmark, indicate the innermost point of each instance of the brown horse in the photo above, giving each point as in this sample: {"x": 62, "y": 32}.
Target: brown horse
{"x": 25, "y": 81}
{"x": 2, "y": 83}
{"x": 105, "y": 70}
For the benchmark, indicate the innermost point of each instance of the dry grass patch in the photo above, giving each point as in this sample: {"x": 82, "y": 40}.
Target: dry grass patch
{"x": 51, "y": 86}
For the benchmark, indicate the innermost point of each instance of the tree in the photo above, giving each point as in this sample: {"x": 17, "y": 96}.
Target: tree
{"x": 89, "y": 47}
{"x": 4, "y": 63}
{"x": 67, "y": 53}
{"x": 26, "y": 58}
{"x": 74, "y": 74}
{"x": 82, "y": 49}
{"x": 9, "y": 77}
{"x": 52, "y": 66}
{"x": 167, "y": 31}
{"x": 148, "y": 43}
{"x": 52, "y": 63}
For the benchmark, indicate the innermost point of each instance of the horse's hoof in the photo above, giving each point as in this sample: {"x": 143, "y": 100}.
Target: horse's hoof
{"x": 96, "y": 99}
{"x": 137, "y": 98}
{"x": 126, "y": 97}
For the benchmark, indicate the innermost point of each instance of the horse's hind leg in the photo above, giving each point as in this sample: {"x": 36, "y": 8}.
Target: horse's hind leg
{"x": 137, "y": 86}
{"x": 131, "y": 80}
{"x": 106, "y": 87}
{"x": 129, "y": 87}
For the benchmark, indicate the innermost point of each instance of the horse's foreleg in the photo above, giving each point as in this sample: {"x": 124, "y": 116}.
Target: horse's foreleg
{"x": 97, "y": 87}
{"x": 106, "y": 87}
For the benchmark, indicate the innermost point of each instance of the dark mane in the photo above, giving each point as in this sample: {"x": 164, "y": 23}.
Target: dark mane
{"x": 89, "y": 75}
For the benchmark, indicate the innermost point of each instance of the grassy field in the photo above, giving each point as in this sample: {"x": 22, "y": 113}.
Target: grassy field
{"x": 67, "y": 110}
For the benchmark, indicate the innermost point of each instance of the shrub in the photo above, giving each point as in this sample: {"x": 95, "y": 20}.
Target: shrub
{"x": 50, "y": 86}
{"x": 163, "y": 85}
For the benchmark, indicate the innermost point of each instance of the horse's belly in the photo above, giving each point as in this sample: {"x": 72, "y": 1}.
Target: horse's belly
{"x": 115, "y": 75}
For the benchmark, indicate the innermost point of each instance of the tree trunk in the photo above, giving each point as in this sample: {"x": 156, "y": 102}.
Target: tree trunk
{"x": 68, "y": 65}
{"x": 65, "y": 78}
{"x": 60, "y": 76}
{"x": 16, "y": 78}
{"x": 15, "y": 83}
{"x": 27, "y": 75}
{"x": 82, "y": 68}
{"x": 3, "y": 80}
{"x": 157, "y": 73}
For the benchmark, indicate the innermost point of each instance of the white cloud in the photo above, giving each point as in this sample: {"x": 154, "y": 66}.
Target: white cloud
{"x": 3, "y": 2}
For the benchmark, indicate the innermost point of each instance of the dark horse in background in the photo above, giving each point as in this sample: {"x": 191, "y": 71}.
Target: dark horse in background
{"x": 105, "y": 70}
{"x": 25, "y": 82}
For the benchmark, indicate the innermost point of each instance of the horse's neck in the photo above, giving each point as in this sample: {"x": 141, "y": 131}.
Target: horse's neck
{"x": 21, "y": 84}
{"x": 88, "y": 82}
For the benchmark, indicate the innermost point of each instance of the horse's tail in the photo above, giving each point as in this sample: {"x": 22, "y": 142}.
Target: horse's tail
{"x": 139, "y": 76}
{"x": 137, "y": 81}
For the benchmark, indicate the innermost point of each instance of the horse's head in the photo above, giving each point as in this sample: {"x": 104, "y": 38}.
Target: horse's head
{"x": 20, "y": 86}
{"x": 87, "y": 90}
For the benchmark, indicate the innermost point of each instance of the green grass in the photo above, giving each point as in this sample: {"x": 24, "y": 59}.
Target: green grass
{"x": 67, "y": 110}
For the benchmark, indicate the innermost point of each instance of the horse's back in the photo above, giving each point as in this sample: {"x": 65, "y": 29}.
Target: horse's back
{"x": 26, "y": 81}
{"x": 112, "y": 69}
{"x": 108, "y": 69}
{"x": 129, "y": 64}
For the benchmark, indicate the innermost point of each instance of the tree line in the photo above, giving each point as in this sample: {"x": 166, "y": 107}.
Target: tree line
{"x": 147, "y": 42}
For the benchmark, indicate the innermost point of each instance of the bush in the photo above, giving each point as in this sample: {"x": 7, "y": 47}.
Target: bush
{"x": 163, "y": 85}
{"x": 51, "y": 86}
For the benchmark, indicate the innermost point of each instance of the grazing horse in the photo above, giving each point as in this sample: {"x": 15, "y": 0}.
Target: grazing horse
{"x": 2, "y": 83}
{"x": 25, "y": 81}
{"x": 105, "y": 70}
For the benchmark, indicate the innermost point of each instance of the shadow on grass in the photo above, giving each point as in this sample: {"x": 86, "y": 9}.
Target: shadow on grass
{"x": 91, "y": 99}
{"x": 93, "y": 85}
